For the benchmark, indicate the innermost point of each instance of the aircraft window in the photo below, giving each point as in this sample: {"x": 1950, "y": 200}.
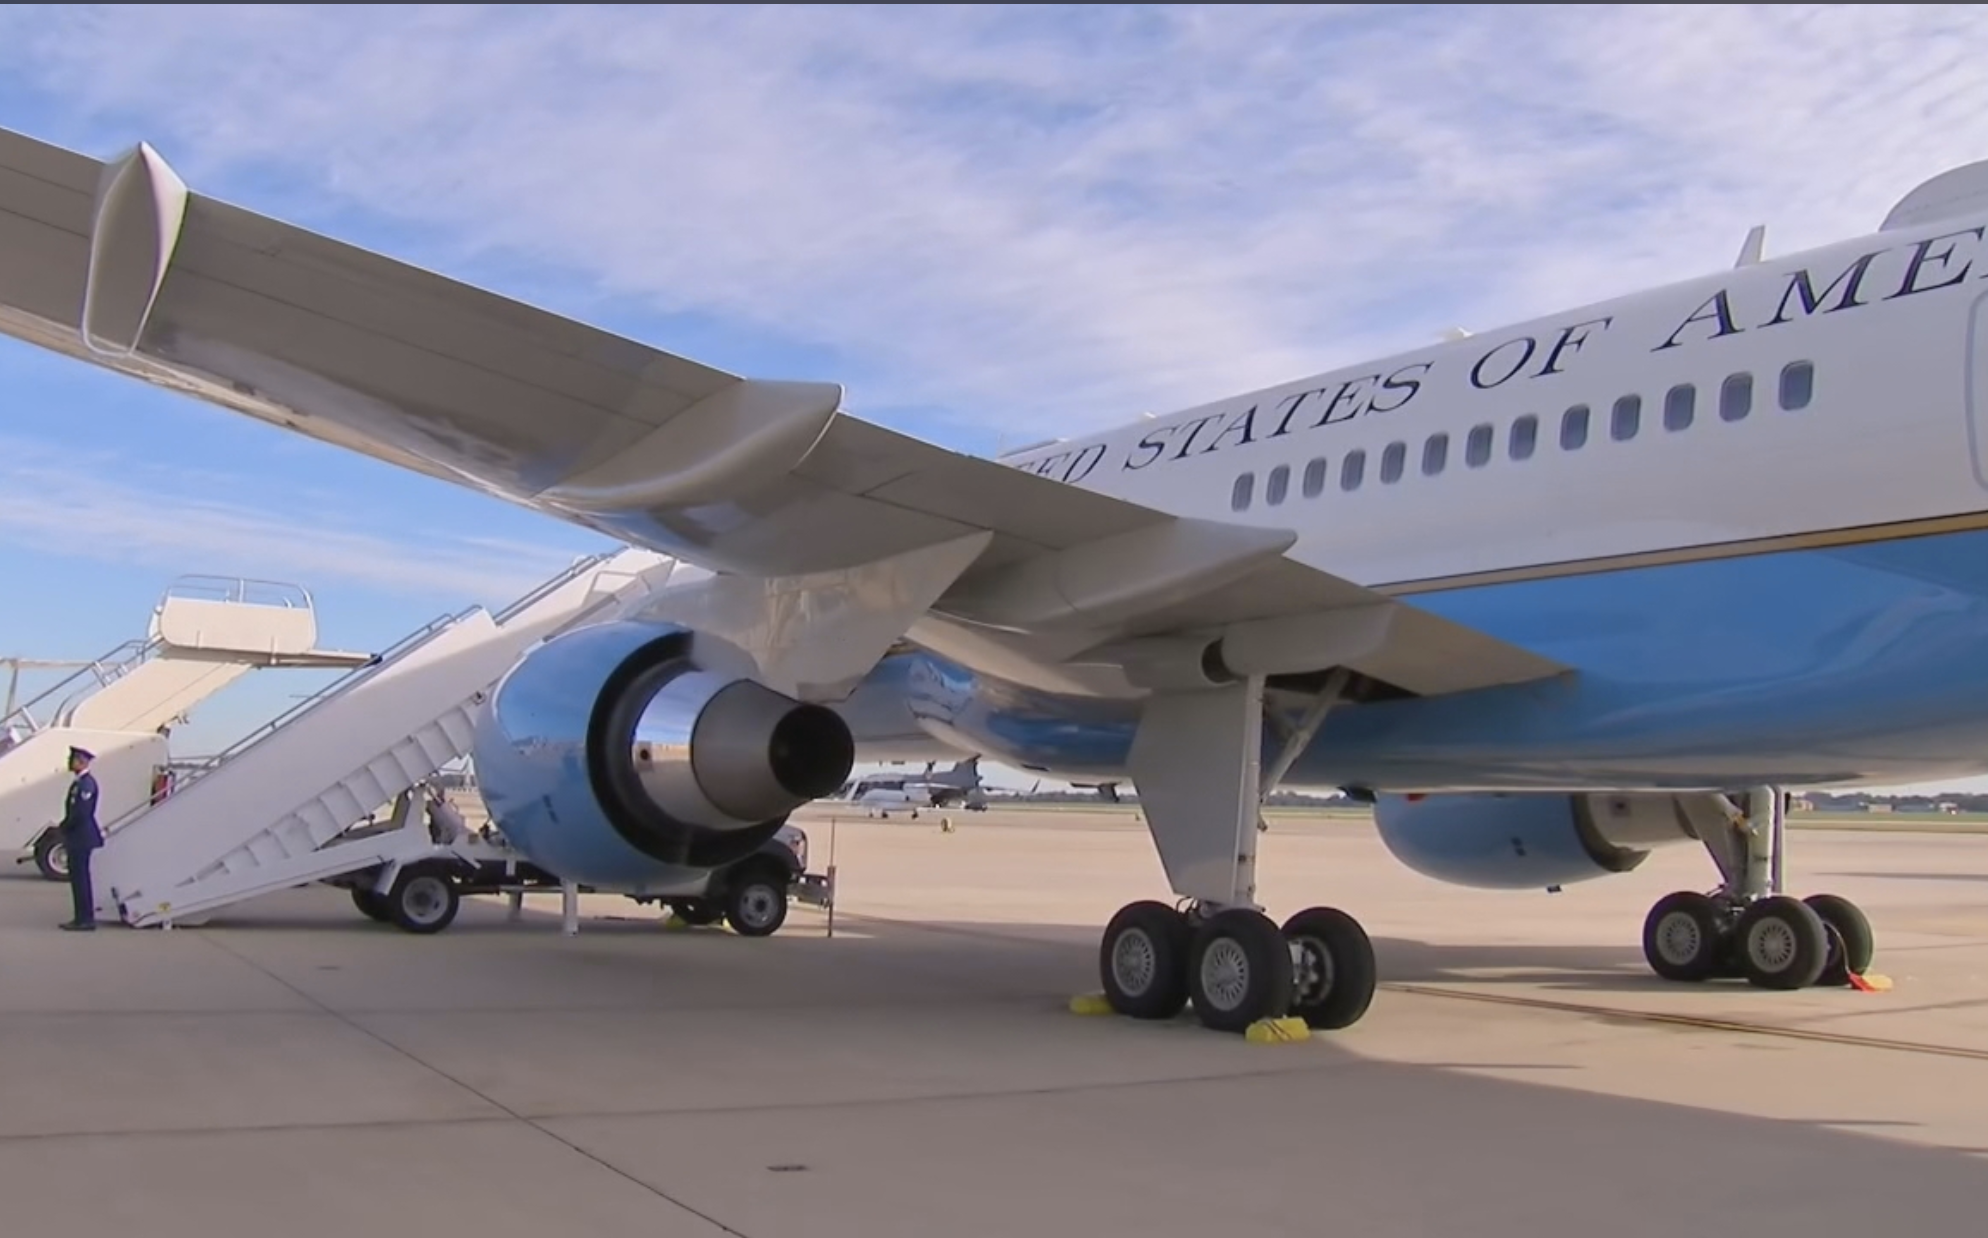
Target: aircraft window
{"x": 1352, "y": 469}
{"x": 1435, "y": 454}
{"x": 1525, "y": 436}
{"x": 1477, "y": 447}
{"x": 1626, "y": 418}
{"x": 1315, "y": 478}
{"x": 1277, "y": 484}
{"x": 1574, "y": 428}
{"x": 1736, "y": 397}
{"x": 1797, "y": 385}
{"x": 1240, "y": 496}
{"x": 1680, "y": 403}
{"x": 1393, "y": 458}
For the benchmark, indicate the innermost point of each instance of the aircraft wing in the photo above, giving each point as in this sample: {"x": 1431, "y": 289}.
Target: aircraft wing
{"x": 120, "y": 265}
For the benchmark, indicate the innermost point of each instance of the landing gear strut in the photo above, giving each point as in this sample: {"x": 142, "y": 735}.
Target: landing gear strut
{"x": 1748, "y": 927}
{"x": 1222, "y": 953}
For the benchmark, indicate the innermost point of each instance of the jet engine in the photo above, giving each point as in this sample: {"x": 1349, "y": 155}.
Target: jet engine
{"x": 622, "y": 753}
{"x": 1527, "y": 841}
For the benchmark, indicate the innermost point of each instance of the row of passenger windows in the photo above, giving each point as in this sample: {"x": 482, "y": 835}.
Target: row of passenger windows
{"x": 1625, "y": 421}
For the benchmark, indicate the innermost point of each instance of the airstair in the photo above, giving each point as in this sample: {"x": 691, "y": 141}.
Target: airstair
{"x": 268, "y": 814}
{"x": 205, "y": 633}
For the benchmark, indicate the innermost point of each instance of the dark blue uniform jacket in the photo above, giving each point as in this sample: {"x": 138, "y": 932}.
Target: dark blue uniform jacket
{"x": 80, "y": 831}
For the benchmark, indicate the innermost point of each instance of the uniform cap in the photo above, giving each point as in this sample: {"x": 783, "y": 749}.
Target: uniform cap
{"x": 84, "y": 753}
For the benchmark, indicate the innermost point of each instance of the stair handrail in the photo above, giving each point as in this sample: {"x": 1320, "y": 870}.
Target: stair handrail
{"x": 235, "y": 590}
{"x": 559, "y": 580}
{"x": 352, "y": 679}
{"x": 106, "y": 669}
{"x": 107, "y": 674}
{"x": 336, "y": 688}
{"x": 346, "y": 682}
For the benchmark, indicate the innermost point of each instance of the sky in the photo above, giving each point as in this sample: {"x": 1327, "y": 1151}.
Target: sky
{"x": 993, "y": 224}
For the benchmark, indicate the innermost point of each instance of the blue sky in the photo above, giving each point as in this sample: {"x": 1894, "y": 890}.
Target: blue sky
{"x": 993, "y": 223}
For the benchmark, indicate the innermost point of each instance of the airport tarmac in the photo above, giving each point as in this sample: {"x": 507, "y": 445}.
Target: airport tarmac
{"x": 294, "y": 1067}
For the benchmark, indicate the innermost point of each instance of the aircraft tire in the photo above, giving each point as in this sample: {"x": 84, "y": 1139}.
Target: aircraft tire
{"x": 1685, "y": 937}
{"x": 1335, "y": 975}
{"x": 1781, "y": 943}
{"x": 1142, "y": 961}
{"x": 1239, "y": 970}
{"x": 1851, "y": 942}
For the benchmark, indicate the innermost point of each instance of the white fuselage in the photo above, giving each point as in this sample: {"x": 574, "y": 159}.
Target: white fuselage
{"x": 1886, "y": 439}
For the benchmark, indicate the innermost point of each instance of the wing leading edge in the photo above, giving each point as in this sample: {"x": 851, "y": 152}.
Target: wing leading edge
{"x": 119, "y": 264}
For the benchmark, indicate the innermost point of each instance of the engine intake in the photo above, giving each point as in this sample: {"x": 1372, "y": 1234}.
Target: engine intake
{"x": 678, "y": 759}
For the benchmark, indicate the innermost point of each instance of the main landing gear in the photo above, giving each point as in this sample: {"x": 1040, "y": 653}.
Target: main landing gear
{"x": 1237, "y": 966}
{"x": 1197, "y": 764}
{"x": 1747, "y": 927}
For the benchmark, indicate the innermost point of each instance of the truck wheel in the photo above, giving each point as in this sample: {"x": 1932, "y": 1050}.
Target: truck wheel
{"x": 370, "y": 904}
{"x": 756, "y": 903}
{"x": 51, "y": 857}
{"x": 422, "y": 901}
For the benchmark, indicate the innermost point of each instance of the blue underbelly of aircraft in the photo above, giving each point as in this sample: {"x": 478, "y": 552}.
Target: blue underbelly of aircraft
{"x": 1866, "y": 663}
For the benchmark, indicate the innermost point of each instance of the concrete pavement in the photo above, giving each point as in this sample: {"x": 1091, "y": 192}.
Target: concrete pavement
{"x": 919, "y": 1072}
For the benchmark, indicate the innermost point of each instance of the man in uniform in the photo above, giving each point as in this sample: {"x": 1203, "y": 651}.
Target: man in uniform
{"x": 81, "y": 836}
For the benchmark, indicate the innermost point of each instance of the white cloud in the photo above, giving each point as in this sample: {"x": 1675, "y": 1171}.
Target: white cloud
{"x": 109, "y": 508}
{"x": 1048, "y": 219}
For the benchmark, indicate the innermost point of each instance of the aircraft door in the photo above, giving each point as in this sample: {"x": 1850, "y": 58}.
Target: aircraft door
{"x": 1976, "y": 370}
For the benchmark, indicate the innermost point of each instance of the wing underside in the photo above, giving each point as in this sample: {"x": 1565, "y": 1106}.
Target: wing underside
{"x": 120, "y": 265}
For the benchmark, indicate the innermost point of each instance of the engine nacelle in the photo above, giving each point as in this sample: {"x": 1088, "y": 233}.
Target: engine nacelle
{"x": 618, "y": 755}
{"x": 1527, "y": 841}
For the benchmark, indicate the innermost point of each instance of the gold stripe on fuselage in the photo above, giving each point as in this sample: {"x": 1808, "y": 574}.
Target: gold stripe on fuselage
{"x": 1862, "y": 535}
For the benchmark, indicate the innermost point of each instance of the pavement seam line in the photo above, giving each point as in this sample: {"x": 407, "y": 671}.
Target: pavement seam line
{"x": 253, "y": 1128}
{"x": 492, "y": 1101}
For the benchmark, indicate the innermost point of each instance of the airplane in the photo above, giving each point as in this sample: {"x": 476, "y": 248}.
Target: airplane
{"x": 1550, "y": 596}
{"x": 882, "y": 796}
{"x": 882, "y": 792}
{"x": 959, "y": 786}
